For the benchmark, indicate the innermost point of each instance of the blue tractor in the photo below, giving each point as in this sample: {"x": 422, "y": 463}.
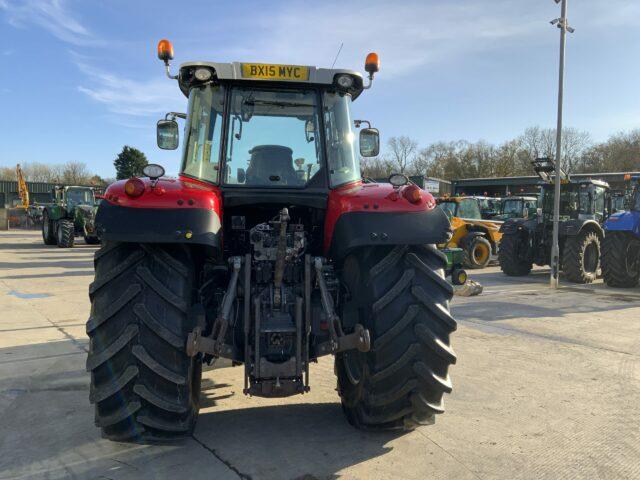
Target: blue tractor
{"x": 621, "y": 248}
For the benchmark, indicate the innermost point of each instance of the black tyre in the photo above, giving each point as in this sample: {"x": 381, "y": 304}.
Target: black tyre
{"x": 48, "y": 229}
{"x": 143, "y": 384}
{"x": 91, "y": 239}
{"x": 402, "y": 297}
{"x": 459, "y": 276}
{"x": 477, "y": 252}
{"x": 65, "y": 233}
{"x": 621, "y": 259}
{"x": 581, "y": 257}
{"x": 511, "y": 262}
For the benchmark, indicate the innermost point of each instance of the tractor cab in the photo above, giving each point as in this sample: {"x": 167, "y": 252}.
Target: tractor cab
{"x": 258, "y": 126}
{"x": 517, "y": 207}
{"x": 79, "y": 196}
{"x": 584, "y": 200}
{"x": 635, "y": 202}
{"x": 632, "y": 193}
{"x": 74, "y": 195}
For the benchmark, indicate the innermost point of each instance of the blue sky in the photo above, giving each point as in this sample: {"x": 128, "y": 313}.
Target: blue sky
{"x": 80, "y": 79}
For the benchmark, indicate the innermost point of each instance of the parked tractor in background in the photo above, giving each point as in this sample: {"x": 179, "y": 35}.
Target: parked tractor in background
{"x": 584, "y": 205}
{"x": 478, "y": 238}
{"x": 270, "y": 251}
{"x": 489, "y": 206}
{"x": 455, "y": 263}
{"x": 621, "y": 247}
{"x": 517, "y": 207}
{"x": 71, "y": 214}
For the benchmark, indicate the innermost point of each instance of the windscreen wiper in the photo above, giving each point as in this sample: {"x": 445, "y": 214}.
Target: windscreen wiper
{"x": 276, "y": 104}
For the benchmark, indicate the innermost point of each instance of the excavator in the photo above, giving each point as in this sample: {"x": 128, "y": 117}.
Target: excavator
{"x": 33, "y": 212}
{"x": 23, "y": 191}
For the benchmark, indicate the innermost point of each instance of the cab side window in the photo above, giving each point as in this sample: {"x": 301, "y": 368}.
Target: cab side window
{"x": 468, "y": 208}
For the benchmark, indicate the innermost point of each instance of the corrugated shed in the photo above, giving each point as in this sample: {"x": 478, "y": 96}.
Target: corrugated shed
{"x": 8, "y": 186}
{"x": 38, "y": 192}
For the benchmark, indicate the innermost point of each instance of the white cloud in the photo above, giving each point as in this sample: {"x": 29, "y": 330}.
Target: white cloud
{"x": 50, "y": 15}
{"x": 407, "y": 35}
{"x": 126, "y": 96}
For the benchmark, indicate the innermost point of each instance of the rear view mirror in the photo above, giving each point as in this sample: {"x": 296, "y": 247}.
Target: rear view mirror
{"x": 309, "y": 131}
{"x": 241, "y": 175}
{"x": 167, "y": 134}
{"x": 369, "y": 142}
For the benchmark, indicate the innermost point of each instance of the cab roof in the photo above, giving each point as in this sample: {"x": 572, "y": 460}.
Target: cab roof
{"x": 234, "y": 71}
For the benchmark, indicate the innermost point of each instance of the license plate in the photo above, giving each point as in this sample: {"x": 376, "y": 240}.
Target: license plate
{"x": 265, "y": 71}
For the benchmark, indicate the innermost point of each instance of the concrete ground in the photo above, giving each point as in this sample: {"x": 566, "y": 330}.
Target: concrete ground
{"x": 547, "y": 385}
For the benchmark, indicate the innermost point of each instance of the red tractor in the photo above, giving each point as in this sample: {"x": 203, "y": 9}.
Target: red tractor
{"x": 268, "y": 250}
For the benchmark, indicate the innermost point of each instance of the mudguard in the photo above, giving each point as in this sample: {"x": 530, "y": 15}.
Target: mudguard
{"x": 624, "y": 222}
{"x": 464, "y": 241}
{"x": 169, "y": 211}
{"x": 360, "y": 214}
{"x": 571, "y": 228}
{"x": 359, "y": 229}
{"x": 56, "y": 212}
{"x": 152, "y": 225}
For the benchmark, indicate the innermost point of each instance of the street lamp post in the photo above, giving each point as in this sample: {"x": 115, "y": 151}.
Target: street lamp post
{"x": 564, "y": 27}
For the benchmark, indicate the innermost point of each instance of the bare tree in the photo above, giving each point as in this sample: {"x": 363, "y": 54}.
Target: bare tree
{"x": 621, "y": 153}
{"x": 7, "y": 173}
{"x": 402, "y": 151}
{"x": 75, "y": 173}
{"x": 40, "y": 172}
{"x": 537, "y": 142}
{"x": 375, "y": 167}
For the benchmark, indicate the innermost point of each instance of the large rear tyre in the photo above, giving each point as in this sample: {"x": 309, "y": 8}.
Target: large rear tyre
{"x": 48, "y": 230}
{"x": 621, "y": 260}
{"x": 402, "y": 297}
{"x": 65, "y": 233}
{"x": 477, "y": 252}
{"x": 581, "y": 257}
{"x": 510, "y": 260}
{"x": 143, "y": 384}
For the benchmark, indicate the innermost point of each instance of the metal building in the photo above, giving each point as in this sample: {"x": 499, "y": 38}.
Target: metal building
{"x": 505, "y": 186}
{"x": 39, "y": 192}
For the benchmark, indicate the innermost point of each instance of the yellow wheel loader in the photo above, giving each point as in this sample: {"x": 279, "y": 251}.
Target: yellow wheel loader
{"x": 478, "y": 238}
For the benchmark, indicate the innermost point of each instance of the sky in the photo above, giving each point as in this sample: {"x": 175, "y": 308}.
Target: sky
{"x": 80, "y": 79}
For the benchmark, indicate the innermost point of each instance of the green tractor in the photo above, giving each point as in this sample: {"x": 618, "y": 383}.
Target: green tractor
{"x": 517, "y": 206}
{"x": 584, "y": 206}
{"x": 71, "y": 214}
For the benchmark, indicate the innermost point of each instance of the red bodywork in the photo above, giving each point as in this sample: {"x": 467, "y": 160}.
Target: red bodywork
{"x": 182, "y": 192}
{"x": 187, "y": 193}
{"x": 369, "y": 197}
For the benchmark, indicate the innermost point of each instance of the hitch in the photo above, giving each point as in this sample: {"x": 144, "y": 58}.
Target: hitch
{"x": 212, "y": 344}
{"x": 359, "y": 340}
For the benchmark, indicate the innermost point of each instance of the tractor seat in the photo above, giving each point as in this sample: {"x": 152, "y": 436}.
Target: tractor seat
{"x": 271, "y": 165}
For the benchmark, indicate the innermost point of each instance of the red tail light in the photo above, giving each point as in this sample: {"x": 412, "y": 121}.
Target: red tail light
{"x": 134, "y": 187}
{"x": 412, "y": 193}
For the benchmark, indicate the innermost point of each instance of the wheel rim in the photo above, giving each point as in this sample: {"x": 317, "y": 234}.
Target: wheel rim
{"x": 480, "y": 254}
{"x": 45, "y": 226}
{"x": 591, "y": 258}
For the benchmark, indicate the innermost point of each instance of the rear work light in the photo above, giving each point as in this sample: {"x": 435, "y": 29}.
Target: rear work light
{"x": 134, "y": 187}
{"x": 412, "y": 193}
